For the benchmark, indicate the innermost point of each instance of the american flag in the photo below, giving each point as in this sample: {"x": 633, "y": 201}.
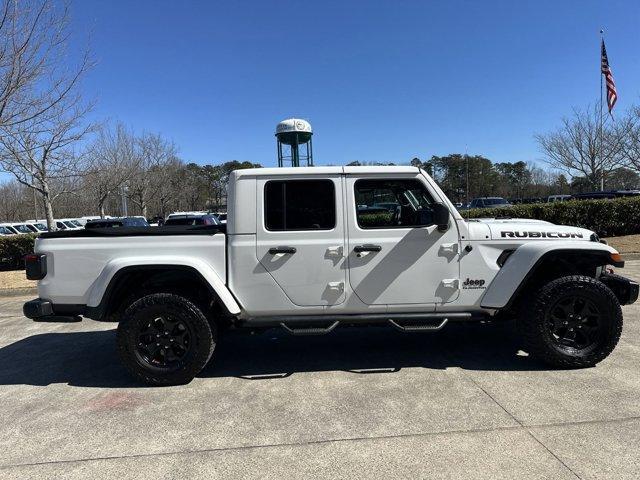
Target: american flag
{"x": 612, "y": 95}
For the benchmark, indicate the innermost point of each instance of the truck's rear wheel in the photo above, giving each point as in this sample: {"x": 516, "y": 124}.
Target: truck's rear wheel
{"x": 571, "y": 322}
{"x": 165, "y": 339}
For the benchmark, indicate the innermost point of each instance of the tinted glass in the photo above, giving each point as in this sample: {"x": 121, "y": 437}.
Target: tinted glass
{"x": 22, "y": 229}
{"x": 300, "y": 205}
{"x": 393, "y": 204}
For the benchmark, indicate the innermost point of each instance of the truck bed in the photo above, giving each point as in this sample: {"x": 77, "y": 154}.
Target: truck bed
{"x": 137, "y": 231}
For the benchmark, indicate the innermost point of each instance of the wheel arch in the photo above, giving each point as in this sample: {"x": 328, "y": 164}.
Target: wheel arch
{"x": 117, "y": 283}
{"x": 531, "y": 265}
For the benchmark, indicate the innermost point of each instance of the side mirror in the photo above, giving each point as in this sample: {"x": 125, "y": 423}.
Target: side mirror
{"x": 441, "y": 216}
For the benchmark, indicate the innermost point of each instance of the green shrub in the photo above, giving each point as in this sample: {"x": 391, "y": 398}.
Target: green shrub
{"x": 372, "y": 220}
{"x": 13, "y": 248}
{"x": 608, "y": 218}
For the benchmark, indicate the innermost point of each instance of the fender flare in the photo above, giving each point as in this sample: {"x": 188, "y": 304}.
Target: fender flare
{"x": 114, "y": 270}
{"x": 523, "y": 263}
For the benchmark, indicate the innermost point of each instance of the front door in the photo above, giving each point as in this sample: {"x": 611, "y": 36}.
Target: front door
{"x": 396, "y": 254}
{"x": 300, "y": 239}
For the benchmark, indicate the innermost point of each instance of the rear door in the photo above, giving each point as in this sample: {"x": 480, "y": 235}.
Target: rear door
{"x": 301, "y": 239}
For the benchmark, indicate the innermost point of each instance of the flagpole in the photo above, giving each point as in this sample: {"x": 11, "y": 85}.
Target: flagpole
{"x": 601, "y": 117}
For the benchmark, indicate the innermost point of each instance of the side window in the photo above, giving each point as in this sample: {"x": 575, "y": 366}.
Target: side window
{"x": 393, "y": 203}
{"x": 299, "y": 205}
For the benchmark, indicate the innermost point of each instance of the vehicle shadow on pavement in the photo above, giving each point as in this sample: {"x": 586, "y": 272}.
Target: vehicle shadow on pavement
{"x": 275, "y": 354}
{"x": 89, "y": 359}
{"x": 85, "y": 359}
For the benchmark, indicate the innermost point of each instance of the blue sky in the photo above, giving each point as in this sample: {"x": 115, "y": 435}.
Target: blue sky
{"x": 379, "y": 81}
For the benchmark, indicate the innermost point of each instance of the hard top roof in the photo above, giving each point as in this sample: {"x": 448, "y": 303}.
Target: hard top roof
{"x": 282, "y": 171}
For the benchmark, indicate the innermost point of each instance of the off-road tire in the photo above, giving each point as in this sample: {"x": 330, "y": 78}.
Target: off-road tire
{"x": 202, "y": 339}
{"x": 532, "y": 322}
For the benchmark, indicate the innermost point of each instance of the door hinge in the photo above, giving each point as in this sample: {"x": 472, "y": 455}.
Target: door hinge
{"x": 451, "y": 283}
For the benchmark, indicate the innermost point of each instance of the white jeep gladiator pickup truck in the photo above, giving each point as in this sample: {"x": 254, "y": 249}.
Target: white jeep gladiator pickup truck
{"x": 311, "y": 249}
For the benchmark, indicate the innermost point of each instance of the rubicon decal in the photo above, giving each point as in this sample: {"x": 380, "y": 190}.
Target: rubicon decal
{"x": 517, "y": 234}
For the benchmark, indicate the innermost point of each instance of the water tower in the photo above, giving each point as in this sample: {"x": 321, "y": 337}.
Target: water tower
{"x": 292, "y": 134}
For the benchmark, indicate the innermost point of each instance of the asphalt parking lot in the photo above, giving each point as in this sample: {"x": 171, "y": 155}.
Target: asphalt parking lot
{"x": 357, "y": 404}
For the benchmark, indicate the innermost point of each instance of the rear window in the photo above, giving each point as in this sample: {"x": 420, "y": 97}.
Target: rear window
{"x": 299, "y": 205}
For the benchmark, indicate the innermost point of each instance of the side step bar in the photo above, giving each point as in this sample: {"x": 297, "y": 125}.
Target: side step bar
{"x": 309, "y": 330}
{"x": 419, "y": 328}
{"x": 322, "y": 324}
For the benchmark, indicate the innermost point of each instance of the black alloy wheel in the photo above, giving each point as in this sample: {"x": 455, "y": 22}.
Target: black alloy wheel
{"x": 164, "y": 341}
{"x": 574, "y": 322}
{"x": 570, "y": 322}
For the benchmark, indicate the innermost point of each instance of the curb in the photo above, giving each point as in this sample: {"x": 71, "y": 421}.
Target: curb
{"x": 17, "y": 292}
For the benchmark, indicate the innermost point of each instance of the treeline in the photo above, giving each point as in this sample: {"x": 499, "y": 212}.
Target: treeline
{"x": 456, "y": 173}
{"x": 166, "y": 185}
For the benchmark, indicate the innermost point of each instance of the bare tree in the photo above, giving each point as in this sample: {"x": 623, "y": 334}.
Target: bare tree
{"x": 33, "y": 80}
{"x": 629, "y": 130}
{"x": 41, "y": 114}
{"x": 155, "y": 154}
{"x": 113, "y": 159}
{"x": 14, "y": 201}
{"x": 40, "y": 153}
{"x": 581, "y": 148}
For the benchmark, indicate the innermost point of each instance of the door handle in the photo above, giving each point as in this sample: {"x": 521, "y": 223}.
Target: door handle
{"x": 367, "y": 248}
{"x": 277, "y": 250}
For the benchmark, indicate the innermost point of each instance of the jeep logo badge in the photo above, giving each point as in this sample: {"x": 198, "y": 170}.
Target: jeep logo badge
{"x": 469, "y": 284}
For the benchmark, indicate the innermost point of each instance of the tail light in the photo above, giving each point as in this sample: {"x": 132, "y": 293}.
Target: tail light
{"x": 36, "y": 266}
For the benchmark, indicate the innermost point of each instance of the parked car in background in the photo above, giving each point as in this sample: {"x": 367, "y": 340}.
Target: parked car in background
{"x": 4, "y": 231}
{"x": 206, "y": 219}
{"x": 558, "y": 198}
{"x": 38, "y": 226}
{"x": 17, "y": 228}
{"x": 222, "y": 217}
{"x": 117, "y": 222}
{"x": 489, "y": 202}
{"x": 68, "y": 224}
{"x": 605, "y": 194}
{"x": 83, "y": 220}
{"x": 183, "y": 214}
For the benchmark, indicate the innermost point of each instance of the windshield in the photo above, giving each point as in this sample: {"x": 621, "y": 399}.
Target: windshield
{"x": 40, "y": 226}
{"x": 69, "y": 224}
{"x": 495, "y": 201}
{"x": 76, "y": 223}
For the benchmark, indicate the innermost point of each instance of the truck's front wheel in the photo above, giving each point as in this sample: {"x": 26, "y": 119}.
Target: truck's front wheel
{"x": 165, "y": 339}
{"x": 571, "y": 322}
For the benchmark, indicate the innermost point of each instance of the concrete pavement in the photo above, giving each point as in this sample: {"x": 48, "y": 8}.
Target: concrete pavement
{"x": 358, "y": 403}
